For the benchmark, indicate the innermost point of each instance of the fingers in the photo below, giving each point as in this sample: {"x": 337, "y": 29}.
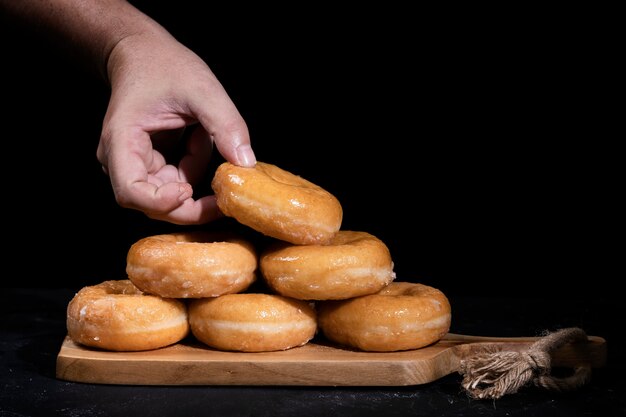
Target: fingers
{"x": 142, "y": 180}
{"x": 171, "y": 201}
{"x": 191, "y": 212}
{"x": 152, "y": 198}
{"x": 140, "y": 177}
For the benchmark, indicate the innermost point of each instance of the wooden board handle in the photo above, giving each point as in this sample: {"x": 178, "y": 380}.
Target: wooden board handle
{"x": 492, "y": 368}
{"x": 591, "y": 352}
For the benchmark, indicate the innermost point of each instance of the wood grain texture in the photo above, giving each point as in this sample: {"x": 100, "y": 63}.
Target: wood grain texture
{"x": 315, "y": 364}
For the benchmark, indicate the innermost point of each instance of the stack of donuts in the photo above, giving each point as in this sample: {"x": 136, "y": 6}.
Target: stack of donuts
{"x": 318, "y": 280}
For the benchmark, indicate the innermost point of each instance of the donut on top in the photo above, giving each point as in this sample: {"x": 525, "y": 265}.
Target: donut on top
{"x": 277, "y": 203}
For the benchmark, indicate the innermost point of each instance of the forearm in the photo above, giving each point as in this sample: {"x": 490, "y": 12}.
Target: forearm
{"x": 92, "y": 26}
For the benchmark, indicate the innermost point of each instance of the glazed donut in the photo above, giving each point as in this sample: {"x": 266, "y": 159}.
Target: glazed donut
{"x": 252, "y": 322}
{"x": 401, "y": 316}
{"x": 192, "y": 265}
{"x": 277, "y": 203}
{"x": 116, "y": 315}
{"x": 352, "y": 264}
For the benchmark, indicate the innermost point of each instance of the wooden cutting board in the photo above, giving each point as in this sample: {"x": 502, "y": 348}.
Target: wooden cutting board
{"x": 315, "y": 364}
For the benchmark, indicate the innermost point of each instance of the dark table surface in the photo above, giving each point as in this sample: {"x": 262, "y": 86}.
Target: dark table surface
{"x": 33, "y": 327}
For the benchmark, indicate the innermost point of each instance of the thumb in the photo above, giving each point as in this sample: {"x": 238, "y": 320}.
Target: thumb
{"x": 221, "y": 119}
{"x": 233, "y": 143}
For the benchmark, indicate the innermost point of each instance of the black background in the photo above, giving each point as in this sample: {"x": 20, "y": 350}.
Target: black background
{"x": 480, "y": 150}
{"x": 481, "y": 145}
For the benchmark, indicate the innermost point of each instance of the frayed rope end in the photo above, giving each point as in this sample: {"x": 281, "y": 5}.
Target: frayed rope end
{"x": 493, "y": 374}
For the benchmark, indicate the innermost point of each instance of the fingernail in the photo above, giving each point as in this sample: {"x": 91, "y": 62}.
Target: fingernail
{"x": 245, "y": 156}
{"x": 185, "y": 191}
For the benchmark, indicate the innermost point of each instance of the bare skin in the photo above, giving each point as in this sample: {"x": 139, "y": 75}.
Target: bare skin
{"x": 158, "y": 88}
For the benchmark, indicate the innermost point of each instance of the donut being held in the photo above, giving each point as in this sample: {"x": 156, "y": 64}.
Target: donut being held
{"x": 252, "y": 322}
{"x": 402, "y": 316}
{"x": 192, "y": 265}
{"x": 115, "y": 315}
{"x": 352, "y": 264}
{"x": 277, "y": 203}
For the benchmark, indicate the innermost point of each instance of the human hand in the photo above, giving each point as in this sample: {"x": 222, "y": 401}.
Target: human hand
{"x": 158, "y": 88}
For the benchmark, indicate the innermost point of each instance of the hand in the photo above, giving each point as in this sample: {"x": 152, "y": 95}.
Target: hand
{"x": 159, "y": 88}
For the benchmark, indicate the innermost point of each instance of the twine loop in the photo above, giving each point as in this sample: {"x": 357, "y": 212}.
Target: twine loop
{"x": 492, "y": 374}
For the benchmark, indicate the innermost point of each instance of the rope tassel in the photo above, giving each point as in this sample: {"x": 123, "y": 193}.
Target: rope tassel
{"x": 493, "y": 374}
